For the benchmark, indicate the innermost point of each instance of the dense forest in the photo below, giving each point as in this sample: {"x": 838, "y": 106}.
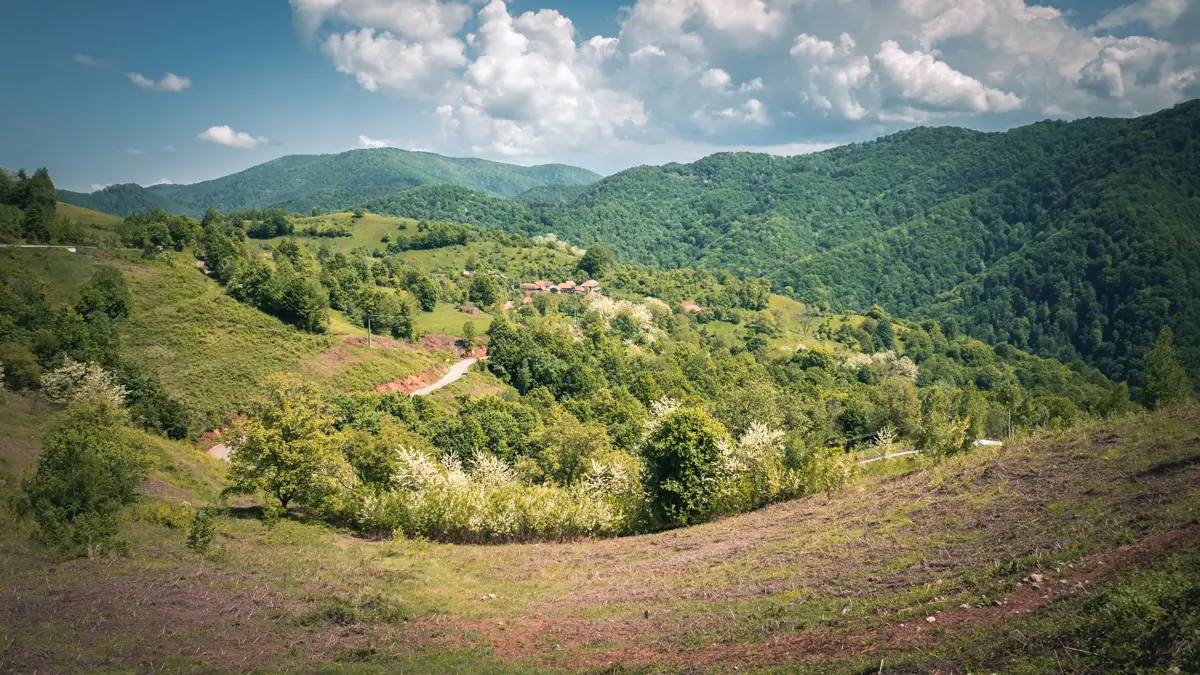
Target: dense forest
{"x": 333, "y": 182}
{"x": 1077, "y": 240}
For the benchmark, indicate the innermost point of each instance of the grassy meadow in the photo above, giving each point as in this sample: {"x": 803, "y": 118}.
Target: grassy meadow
{"x": 791, "y": 586}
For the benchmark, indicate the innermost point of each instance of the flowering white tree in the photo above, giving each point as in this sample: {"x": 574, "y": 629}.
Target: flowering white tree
{"x": 75, "y": 381}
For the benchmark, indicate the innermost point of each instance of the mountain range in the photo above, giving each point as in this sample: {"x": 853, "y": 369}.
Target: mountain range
{"x": 343, "y": 180}
{"x": 1077, "y": 240}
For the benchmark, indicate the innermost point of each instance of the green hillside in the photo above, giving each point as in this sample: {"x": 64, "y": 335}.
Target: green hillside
{"x": 334, "y": 182}
{"x": 86, "y": 216}
{"x": 121, "y": 200}
{"x": 1077, "y": 240}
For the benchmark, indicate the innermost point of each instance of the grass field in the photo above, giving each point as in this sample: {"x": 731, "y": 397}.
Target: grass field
{"x": 86, "y": 216}
{"x": 368, "y": 230}
{"x": 212, "y": 352}
{"x": 447, "y": 320}
{"x": 830, "y": 583}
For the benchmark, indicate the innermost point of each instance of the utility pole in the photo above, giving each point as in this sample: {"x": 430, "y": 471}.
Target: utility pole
{"x": 368, "y": 331}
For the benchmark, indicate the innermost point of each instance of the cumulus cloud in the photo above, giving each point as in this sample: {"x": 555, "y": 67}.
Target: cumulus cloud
{"x": 96, "y": 187}
{"x": 368, "y": 142}
{"x": 715, "y": 78}
{"x": 719, "y": 73}
{"x": 224, "y": 135}
{"x": 919, "y": 78}
{"x": 169, "y": 82}
{"x": 531, "y": 85}
{"x": 161, "y": 181}
{"x": 410, "y": 19}
{"x": 382, "y": 60}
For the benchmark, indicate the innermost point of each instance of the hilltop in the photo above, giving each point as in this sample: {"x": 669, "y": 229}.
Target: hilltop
{"x": 333, "y": 182}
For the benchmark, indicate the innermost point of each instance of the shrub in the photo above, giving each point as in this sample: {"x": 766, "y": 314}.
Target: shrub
{"x": 200, "y": 534}
{"x": 683, "y": 455}
{"x": 1166, "y": 380}
{"x": 441, "y": 501}
{"x": 88, "y": 471}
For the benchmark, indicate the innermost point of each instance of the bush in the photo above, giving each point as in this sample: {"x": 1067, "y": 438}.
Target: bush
{"x": 441, "y": 501}
{"x": 683, "y": 455}
{"x": 200, "y": 534}
{"x": 88, "y": 471}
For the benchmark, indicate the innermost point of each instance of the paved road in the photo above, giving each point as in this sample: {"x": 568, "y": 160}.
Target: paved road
{"x": 456, "y": 371}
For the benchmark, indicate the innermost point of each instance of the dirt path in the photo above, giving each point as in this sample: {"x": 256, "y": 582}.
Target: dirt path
{"x": 457, "y": 371}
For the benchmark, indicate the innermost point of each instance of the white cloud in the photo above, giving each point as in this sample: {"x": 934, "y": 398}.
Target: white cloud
{"x": 1156, "y": 14}
{"x": 720, "y": 73}
{"x": 89, "y": 61}
{"x": 411, "y": 19}
{"x": 531, "y": 86}
{"x": 133, "y": 151}
{"x": 807, "y": 46}
{"x": 715, "y": 78}
{"x": 368, "y": 142}
{"x": 224, "y": 135}
{"x": 169, "y": 148}
{"x": 384, "y": 61}
{"x": 919, "y": 78}
{"x": 753, "y": 85}
{"x": 169, "y": 82}
{"x": 96, "y": 187}
{"x": 161, "y": 181}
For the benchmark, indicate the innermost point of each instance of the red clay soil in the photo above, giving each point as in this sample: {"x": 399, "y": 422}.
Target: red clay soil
{"x": 515, "y": 638}
{"x": 376, "y": 341}
{"x": 410, "y": 383}
{"x": 439, "y": 342}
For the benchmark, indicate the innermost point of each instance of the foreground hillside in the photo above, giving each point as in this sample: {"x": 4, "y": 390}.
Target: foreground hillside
{"x": 1074, "y": 550}
{"x": 333, "y": 182}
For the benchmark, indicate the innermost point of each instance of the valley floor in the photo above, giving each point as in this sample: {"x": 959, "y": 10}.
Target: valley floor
{"x": 983, "y": 562}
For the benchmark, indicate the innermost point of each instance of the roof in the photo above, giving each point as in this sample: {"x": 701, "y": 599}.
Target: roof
{"x": 526, "y": 300}
{"x": 689, "y": 306}
{"x": 529, "y": 287}
{"x": 543, "y": 283}
{"x": 566, "y": 285}
{"x": 590, "y": 283}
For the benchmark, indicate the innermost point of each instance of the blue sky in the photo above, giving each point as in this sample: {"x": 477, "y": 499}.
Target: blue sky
{"x": 144, "y": 90}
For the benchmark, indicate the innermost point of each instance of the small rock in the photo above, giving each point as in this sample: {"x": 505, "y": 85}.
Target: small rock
{"x": 939, "y": 581}
{"x": 964, "y": 606}
{"x": 491, "y": 596}
{"x": 931, "y": 619}
{"x": 1036, "y": 578}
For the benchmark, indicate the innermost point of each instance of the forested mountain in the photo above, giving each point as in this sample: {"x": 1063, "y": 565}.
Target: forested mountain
{"x": 1073, "y": 239}
{"x": 343, "y": 180}
{"x": 121, "y": 200}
